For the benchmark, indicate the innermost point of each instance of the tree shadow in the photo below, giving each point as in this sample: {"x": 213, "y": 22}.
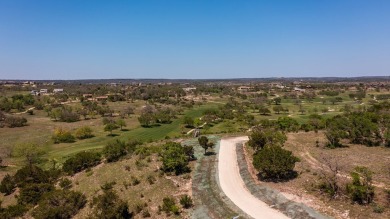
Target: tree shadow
{"x": 125, "y": 130}
{"x": 210, "y": 153}
{"x": 112, "y": 135}
{"x": 289, "y": 176}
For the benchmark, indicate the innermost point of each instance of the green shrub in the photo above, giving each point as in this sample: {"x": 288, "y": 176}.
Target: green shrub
{"x": 135, "y": 181}
{"x": 81, "y": 161}
{"x": 145, "y": 213}
{"x": 67, "y": 115}
{"x": 84, "y": 132}
{"x": 13, "y": 211}
{"x": 274, "y": 162}
{"x": 31, "y": 174}
{"x": 65, "y": 183}
{"x": 174, "y": 158}
{"x": 132, "y": 145}
{"x": 31, "y": 193}
{"x": 186, "y": 201}
{"x": 114, "y": 150}
{"x": 169, "y": 206}
{"x": 151, "y": 179}
{"x": 59, "y": 204}
{"x": 361, "y": 189}
{"x": 63, "y": 136}
{"x": 7, "y": 185}
{"x": 378, "y": 209}
{"x": 108, "y": 205}
{"x": 260, "y": 137}
{"x": 14, "y": 121}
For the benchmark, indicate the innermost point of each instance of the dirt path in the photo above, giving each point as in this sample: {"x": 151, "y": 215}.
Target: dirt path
{"x": 24, "y": 111}
{"x": 233, "y": 186}
{"x": 190, "y": 131}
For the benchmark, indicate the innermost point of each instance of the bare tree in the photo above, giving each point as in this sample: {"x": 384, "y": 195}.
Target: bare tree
{"x": 330, "y": 176}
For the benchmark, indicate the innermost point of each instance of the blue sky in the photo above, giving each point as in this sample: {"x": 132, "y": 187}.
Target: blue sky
{"x": 66, "y": 39}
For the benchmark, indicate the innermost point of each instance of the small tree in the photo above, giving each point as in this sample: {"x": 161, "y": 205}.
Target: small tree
{"x": 110, "y": 127}
{"x": 277, "y": 100}
{"x": 146, "y": 119}
{"x": 264, "y": 110}
{"x": 188, "y": 122}
{"x": 277, "y": 109}
{"x": 260, "y": 137}
{"x": 361, "y": 189}
{"x": 128, "y": 111}
{"x": 121, "y": 123}
{"x": 204, "y": 143}
{"x": 174, "y": 158}
{"x": 330, "y": 176}
{"x": 274, "y": 162}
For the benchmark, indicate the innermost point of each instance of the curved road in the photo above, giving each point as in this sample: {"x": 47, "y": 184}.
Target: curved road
{"x": 233, "y": 185}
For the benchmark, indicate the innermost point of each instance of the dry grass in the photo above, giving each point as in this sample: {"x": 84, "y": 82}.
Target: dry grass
{"x": 123, "y": 173}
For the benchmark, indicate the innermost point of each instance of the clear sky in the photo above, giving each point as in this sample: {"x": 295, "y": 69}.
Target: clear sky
{"x": 82, "y": 39}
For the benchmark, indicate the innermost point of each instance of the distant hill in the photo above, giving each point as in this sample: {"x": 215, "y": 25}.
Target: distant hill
{"x": 232, "y": 80}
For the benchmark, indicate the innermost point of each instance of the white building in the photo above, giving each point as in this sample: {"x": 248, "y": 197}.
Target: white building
{"x": 58, "y": 90}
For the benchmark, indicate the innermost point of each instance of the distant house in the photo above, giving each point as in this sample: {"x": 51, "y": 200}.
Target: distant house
{"x": 58, "y": 90}
{"x": 244, "y": 89}
{"x": 34, "y": 93}
{"x": 353, "y": 88}
{"x": 280, "y": 86}
{"x": 87, "y": 95}
{"x": 102, "y": 98}
{"x": 189, "y": 89}
{"x": 43, "y": 91}
{"x": 297, "y": 89}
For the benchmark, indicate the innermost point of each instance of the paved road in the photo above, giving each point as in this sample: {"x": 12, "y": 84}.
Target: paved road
{"x": 233, "y": 186}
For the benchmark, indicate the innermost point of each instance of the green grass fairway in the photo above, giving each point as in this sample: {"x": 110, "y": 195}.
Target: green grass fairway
{"x": 62, "y": 151}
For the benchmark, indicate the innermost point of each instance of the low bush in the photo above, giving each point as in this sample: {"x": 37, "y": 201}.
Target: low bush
{"x": 114, "y": 150}
{"x": 62, "y": 136}
{"x": 59, "y": 204}
{"x": 83, "y": 132}
{"x": 7, "y": 185}
{"x": 186, "y": 201}
{"x": 169, "y": 206}
{"x": 81, "y": 161}
{"x": 14, "y": 121}
{"x": 31, "y": 193}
